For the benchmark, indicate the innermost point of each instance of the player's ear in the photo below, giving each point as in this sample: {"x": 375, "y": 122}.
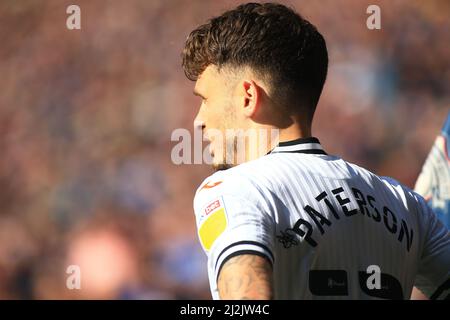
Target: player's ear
{"x": 249, "y": 97}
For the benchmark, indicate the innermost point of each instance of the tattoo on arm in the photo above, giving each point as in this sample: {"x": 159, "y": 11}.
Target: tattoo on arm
{"x": 246, "y": 277}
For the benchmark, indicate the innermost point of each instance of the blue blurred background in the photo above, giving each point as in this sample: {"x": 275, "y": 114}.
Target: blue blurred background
{"x": 86, "y": 117}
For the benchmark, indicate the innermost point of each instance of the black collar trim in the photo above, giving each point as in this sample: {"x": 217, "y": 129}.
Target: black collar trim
{"x": 299, "y": 141}
{"x": 310, "y": 145}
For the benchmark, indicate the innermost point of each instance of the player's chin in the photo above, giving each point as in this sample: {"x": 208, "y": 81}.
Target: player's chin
{"x": 221, "y": 166}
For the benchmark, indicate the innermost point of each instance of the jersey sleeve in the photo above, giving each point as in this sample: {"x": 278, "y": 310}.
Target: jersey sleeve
{"x": 433, "y": 277}
{"x": 232, "y": 219}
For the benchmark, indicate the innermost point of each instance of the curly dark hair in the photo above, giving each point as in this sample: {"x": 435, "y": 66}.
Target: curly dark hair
{"x": 273, "y": 40}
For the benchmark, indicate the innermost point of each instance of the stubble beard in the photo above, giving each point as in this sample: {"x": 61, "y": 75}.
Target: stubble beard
{"x": 230, "y": 150}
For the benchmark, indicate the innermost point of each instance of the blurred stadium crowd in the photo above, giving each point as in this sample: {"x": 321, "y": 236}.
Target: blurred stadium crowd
{"x": 86, "y": 116}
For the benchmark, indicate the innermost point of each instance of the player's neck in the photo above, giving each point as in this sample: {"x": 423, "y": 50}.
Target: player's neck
{"x": 293, "y": 132}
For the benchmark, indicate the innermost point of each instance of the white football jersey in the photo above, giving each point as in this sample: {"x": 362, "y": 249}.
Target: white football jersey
{"x": 330, "y": 229}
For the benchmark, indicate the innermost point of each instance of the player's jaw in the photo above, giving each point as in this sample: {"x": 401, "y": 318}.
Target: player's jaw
{"x": 222, "y": 152}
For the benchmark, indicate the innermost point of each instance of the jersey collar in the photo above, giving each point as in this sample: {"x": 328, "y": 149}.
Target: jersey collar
{"x": 309, "y": 145}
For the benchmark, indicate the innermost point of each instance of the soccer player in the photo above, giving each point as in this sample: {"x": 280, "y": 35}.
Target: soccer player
{"x": 434, "y": 180}
{"x": 293, "y": 222}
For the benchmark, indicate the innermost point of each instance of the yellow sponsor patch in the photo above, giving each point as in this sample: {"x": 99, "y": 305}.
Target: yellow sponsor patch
{"x": 213, "y": 227}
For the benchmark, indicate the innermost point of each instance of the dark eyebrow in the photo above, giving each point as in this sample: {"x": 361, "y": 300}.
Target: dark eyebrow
{"x": 198, "y": 94}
